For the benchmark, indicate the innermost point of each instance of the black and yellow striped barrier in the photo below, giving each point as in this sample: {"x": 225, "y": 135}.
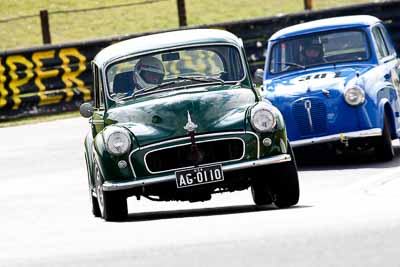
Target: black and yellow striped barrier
{"x": 38, "y": 81}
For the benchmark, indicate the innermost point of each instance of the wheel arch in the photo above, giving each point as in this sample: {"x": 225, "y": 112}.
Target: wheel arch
{"x": 89, "y": 157}
{"x": 386, "y": 110}
{"x": 107, "y": 163}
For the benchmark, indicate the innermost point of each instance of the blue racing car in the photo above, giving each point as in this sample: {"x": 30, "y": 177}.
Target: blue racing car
{"x": 336, "y": 82}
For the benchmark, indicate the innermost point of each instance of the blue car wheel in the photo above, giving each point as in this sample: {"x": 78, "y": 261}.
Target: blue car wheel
{"x": 383, "y": 148}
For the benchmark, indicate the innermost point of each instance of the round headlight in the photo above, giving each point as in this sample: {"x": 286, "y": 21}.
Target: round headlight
{"x": 117, "y": 141}
{"x": 262, "y": 118}
{"x": 354, "y": 96}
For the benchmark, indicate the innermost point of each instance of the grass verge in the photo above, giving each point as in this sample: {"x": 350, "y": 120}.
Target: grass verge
{"x": 134, "y": 19}
{"x": 39, "y": 119}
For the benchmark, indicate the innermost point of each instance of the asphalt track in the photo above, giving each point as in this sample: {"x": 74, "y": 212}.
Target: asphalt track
{"x": 348, "y": 214}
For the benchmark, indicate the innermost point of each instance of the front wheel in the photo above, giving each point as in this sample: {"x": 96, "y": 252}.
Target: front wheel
{"x": 260, "y": 191}
{"x": 284, "y": 182}
{"x": 113, "y": 206}
{"x": 383, "y": 147}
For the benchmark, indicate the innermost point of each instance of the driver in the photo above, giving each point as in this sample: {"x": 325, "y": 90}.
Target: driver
{"x": 313, "y": 53}
{"x": 148, "y": 72}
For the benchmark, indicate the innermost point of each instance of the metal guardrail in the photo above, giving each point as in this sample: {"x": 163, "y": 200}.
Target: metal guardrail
{"x": 57, "y": 78}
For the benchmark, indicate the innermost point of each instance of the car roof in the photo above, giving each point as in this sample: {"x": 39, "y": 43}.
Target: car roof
{"x": 325, "y": 25}
{"x": 164, "y": 40}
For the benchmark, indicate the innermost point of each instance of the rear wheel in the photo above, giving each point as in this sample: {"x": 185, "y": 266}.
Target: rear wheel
{"x": 383, "y": 148}
{"x": 284, "y": 183}
{"x": 113, "y": 206}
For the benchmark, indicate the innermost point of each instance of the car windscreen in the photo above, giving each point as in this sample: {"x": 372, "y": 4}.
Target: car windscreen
{"x": 186, "y": 67}
{"x": 318, "y": 49}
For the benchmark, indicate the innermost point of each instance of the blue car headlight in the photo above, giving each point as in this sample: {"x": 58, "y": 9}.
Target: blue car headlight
{"x": 262, "y": 118}
{"x": 117, "y": 140}
{"x": 354, "y": 96}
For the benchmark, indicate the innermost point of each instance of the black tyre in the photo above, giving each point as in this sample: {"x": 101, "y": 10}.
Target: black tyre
{"x": 260, "y": 192}
{"x": 284, "y": 183}
{"x": 95, "y": 207}
{"x": 383, "y": 148}
{"x": 113, "y": 206}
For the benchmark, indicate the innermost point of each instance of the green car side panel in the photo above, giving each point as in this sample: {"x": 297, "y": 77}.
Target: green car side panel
{"x": 89, "y": 156}
{"x": 108, "y": 164}
{"x": 278, "y": 137}
{"x": 97, "y": 122}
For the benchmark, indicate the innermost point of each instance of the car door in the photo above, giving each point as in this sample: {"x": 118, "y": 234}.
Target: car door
{"x": 394, "y": 61}
{"x": 387, "y": 70}
{"x": 99, "y": 106}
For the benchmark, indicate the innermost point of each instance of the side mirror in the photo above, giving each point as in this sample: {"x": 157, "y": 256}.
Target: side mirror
{"x": 259, "y": 76}
{"x": 86, "y": 110}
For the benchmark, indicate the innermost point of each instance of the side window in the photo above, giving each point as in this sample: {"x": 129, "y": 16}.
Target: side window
{"x": 387, "y": 40}
{"x": 380, "y": 44}
{"x": 101, "y": 91}
{"x": 95, "y": 86}
{"x": 98, "y": 88}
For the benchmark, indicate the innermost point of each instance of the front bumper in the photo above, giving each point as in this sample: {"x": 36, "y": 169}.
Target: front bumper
{"x": 115, "y": 186}
{"x": 343, "y": 137}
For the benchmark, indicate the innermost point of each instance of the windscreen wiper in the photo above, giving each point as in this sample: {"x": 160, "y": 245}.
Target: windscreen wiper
{"x": 201, "y": 78}
{"x": 158, "y": 86}
{"x": 290, "y": 63}
{"x": 179, "y": 80}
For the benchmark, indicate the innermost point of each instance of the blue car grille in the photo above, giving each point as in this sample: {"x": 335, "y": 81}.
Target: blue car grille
{"x": 310, "y": 117}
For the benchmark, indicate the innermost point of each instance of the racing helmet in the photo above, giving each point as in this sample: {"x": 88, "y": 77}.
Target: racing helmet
{"x": 149, "y": 71}
{"x": 312, "y": 50}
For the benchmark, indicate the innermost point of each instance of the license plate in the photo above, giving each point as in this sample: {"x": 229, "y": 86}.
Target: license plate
{"x": 199, "y": 175}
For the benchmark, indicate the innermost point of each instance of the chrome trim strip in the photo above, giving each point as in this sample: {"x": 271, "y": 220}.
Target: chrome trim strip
{"x": 336, "y": 137}
{"x": 111, "y": 186}
{"x": 197, "y": 142}
{"x": 307, "y": 106}
{"x": 131, "y": 163}
{"x": 258, "y": 143}
{"x": 188, "y": 138}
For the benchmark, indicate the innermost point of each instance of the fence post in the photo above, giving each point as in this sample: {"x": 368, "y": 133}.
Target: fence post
{"x": 44, "y": 21}
{"x": 181, "y": 12}
{"x": 308, "y": 4}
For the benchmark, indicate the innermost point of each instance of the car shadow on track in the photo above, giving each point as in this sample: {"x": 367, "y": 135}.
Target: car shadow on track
{"x": 174, "y": 214}
{"x": 350, "y": 160}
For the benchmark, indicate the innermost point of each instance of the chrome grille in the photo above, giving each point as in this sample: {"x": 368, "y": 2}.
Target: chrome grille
{"x": 310, "y": 116}
{"x": 177, "y": 157}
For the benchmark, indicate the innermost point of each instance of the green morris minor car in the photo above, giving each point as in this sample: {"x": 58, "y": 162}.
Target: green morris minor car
{"x": 176, "y": 117}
